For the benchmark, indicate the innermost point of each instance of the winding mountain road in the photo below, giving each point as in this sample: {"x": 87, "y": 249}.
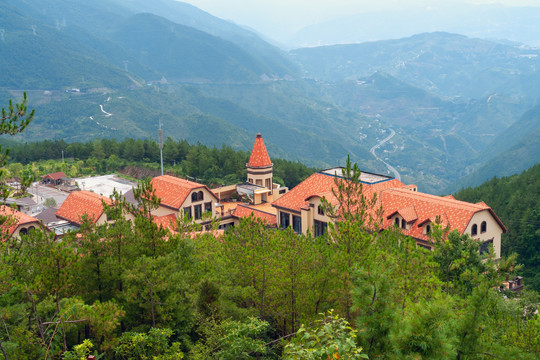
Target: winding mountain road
{"x": 396, "y": 173}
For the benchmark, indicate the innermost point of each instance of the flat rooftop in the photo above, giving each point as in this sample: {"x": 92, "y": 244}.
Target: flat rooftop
{"x": 104, "y": 185}
{"x": 365, "y": 177}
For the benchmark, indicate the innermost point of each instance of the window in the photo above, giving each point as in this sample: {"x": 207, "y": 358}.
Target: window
{"x": 194, "y": 197}
{"x": 297, "y": 224}
{"x": 268, "y": 184}
{"x": 320, "y": 210}
{"x": 428, "y": 229}
{"x": 23, "y": 231}
{"x": 284, "y": 220}
{"x": 198, "y": 211}
{"x": 208, "y": 207}
{"x": 282, "y": 191}
{"x": 484, "y": 248}
{"x": 320, "y": 228}
{"x": 187, "y": 212}
{"x": 483, "y": 227}
{"x": 474, "y": 230}
{"x": 403, "y": 224}
{"x": 200, "y": 196}
{"x": 258, "y": 182}
{"x": 427, "y": 247}
{"x": 396, "y": 221}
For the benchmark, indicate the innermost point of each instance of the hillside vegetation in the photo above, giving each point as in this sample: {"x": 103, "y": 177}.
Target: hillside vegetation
{"x": 516, "y": 200}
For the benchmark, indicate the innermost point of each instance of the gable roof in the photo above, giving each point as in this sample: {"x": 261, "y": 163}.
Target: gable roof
{"x": 79, "y": 203}
{"x": 173, "y": 191}
{"x": 17, "y": 218}
{"x": 55, "y": 176}
{"x": 167, "y": 222}
{"x": 457, "y": 214}
{"x": 243, "y": 211}
{"x": 259, "y": 156}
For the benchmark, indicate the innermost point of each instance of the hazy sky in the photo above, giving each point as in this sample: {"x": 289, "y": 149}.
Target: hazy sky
{"x": 276, "y": 18}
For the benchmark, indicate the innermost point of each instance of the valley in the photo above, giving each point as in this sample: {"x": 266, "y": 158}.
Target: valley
{"x": 447, "y": 97}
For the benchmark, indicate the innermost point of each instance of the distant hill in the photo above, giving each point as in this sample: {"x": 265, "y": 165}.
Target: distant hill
{"x": 185, "y": 54}
{"x": 488, "y": 21}
{"x": 515, "y": 150}
{"x": 35, "y": 55}
{"x": 442, "y": 63}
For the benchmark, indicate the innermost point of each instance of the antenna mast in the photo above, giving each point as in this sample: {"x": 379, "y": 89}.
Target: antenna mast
{"x": 160, "y": 133}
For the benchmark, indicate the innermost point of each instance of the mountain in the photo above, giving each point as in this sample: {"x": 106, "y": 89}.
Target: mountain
{"x": 513, "y": 151}
{"x": 488, "y": 21}
{"x": 139, "y": 63}
{"x": 36, "y": 55}
{"x": 182, "y": 53}
{"x": 99, "y": 17}
{"x": 446, "y": 64}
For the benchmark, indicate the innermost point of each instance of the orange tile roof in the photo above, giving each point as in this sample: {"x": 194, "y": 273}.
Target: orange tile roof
{"x": 408, "y": 213}
{"x": 79, "y": 203}
{"x": 457, "y": 214}
{"x": 174, "y": 191}
{"x": 17, "y": 218}
{"x": 55, "y": 176}
{"x": 243, "y": 211}
{"x": 321, "y": 185}
{"x": 259, "y": 156}
{"x": 166, "y": 222}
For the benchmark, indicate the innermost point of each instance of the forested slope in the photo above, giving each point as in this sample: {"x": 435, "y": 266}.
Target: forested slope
{"x": 516, "y": 200}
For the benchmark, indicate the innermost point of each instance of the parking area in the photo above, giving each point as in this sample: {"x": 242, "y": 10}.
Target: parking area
{"x": 104, "y": 185}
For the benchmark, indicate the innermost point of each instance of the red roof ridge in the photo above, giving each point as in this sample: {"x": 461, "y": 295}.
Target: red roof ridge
{"x": 450, "y": 202}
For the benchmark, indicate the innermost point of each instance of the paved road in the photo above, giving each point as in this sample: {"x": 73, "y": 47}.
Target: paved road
{"x": 396, "y": 173}
{"x": 44, "y": 192}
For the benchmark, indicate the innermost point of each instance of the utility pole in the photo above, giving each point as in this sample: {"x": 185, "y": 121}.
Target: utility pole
{"x": 160, "y": 133}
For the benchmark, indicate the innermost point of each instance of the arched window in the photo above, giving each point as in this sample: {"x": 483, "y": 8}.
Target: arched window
{"x": 320, "y": 210}
{"x": 428, "y": 229}
{"x": 483, "y": 227}
{"x": 23, "y": 231}
{"x": 396, "y": 221}
{"x": 200, "y": 196}
{"x": 194, "y": 196}
{"x": 474, "y": 230}
{"x": 403, "y": 224}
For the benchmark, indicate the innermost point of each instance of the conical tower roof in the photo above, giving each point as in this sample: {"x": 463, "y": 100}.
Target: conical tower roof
{"x": 259, "y": 156}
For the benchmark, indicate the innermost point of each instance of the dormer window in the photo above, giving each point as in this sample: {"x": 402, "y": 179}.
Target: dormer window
{"x": 403, "y": 224}
{"x": 194, "y": 196}
{"x": 396, "y": 221}
{"x": 483, "y": 227}
{"x": 200, "y": 196}
{"x": 474, "y": 230}
{"x": 428, "y": 229}
{"x": 320, "y": 210}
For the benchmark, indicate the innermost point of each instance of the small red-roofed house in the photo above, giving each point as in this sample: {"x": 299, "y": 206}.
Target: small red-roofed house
{"x": 183, "y": 198}
{"x": 54, "y": 178}
{"x": 16, "y": 223}
{"x": 84, "y": 203}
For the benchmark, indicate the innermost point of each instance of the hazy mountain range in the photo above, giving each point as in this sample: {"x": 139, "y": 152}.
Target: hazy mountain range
{"x": 117, "y": 68}
{"x": 487, "y": 21}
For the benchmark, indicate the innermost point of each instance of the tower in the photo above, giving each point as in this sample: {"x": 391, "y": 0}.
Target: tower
{"x": 259, "y": 168}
